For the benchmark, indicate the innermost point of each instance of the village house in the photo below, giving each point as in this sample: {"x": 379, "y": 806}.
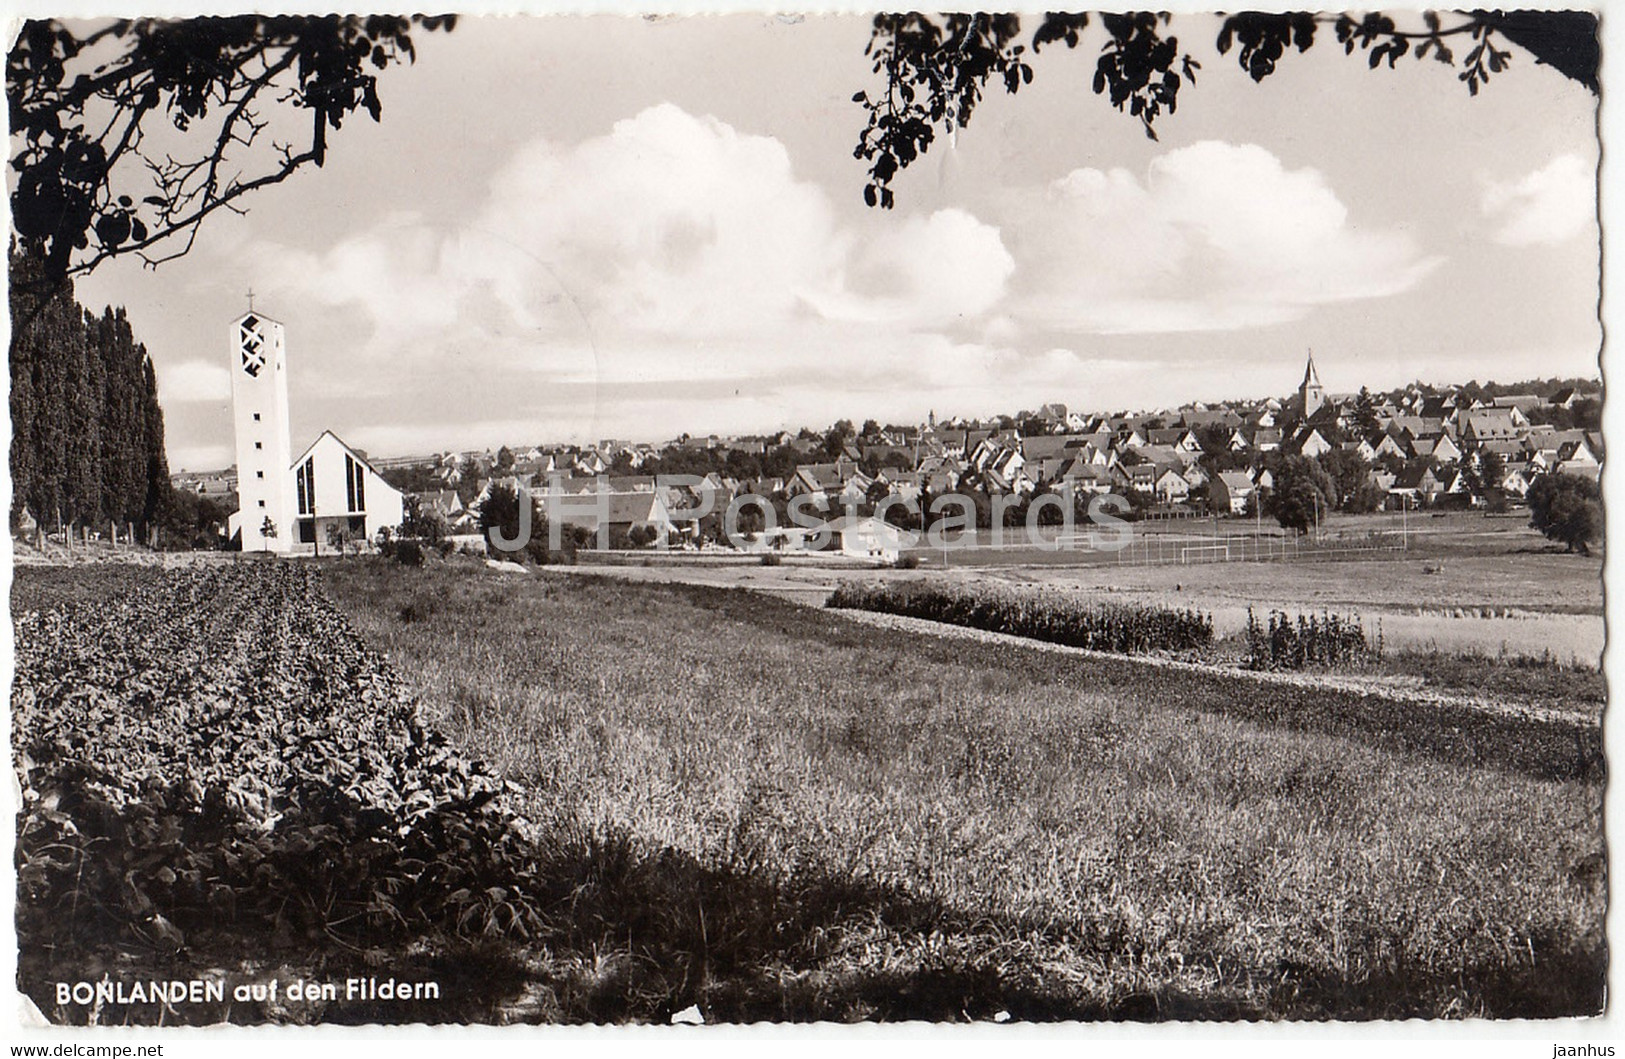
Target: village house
{"x": 1230, "y": 491}
{"x": 1416, "y": 484}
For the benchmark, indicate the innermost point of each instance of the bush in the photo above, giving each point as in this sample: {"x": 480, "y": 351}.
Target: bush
{"x": 907, "y": 562}
{"x": 771, "y": 559}
{"x": 1124, "y": 628}
{"x": 409, "y": 553}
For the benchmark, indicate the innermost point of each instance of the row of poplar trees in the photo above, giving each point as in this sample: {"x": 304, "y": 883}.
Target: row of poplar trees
{"x": 87, "y": 445}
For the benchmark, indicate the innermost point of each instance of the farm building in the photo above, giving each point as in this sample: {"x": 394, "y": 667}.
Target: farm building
{"x": 864, "y": 538}
{"x": 620, "y": 512}
{"x": 861, "y": 537}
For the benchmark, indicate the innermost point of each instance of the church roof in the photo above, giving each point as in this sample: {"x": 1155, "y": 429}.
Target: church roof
{"x": 254, "y": 317}
{"x": 355, "y": 453}
{"x": 1310, "y": 378}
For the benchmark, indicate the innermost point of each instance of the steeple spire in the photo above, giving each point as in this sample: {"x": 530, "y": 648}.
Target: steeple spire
{"x": 1311, "y": 395}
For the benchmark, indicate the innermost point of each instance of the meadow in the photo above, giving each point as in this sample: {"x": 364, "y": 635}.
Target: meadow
{"x": 1468, "y": 586}
{"x": 627, "y": 799}
{"x": 779, "y": 813}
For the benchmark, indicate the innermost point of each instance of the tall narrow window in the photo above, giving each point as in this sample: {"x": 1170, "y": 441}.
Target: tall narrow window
{"x": 306, "y": 481}
{"x": 355, "y": 484}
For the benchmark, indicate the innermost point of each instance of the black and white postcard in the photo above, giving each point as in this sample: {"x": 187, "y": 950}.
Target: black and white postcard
{"x": 840, "y": 518}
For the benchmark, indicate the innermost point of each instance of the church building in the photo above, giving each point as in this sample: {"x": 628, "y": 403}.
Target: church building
{"x": 288, "y": 505}
{"x": 1311, "y": 395}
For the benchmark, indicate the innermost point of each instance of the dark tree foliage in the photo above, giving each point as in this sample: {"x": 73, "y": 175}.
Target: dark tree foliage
{"x": 1365, "y": 414}
{"x": 777, "y": 462}
{"x": 1348, "y": 475}
{"x": 192, "y": 521}
{"x": 936, "y": 70}
{"x": 1567, "y": 508}
{"x": 87, "y": 441}
{"x": 500, "y": 511}
{"x": 134, "y": 133}
{"x": 1486, "y": 476}
{"x": 1302, "y": 495}
{"x": 416, "y": 478}
{"x": 1585, "y": 415}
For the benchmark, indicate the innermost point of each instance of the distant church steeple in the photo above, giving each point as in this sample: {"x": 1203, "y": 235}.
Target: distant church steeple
{"x": 1311, "y": 394}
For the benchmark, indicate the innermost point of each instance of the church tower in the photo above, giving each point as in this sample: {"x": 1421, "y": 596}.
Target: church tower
{"x": 259, "y": 399}
{"x": 1311, "y": 394}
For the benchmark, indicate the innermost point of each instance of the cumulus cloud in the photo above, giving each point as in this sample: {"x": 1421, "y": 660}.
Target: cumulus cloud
{"x": 1552, "y": 204}
{"x": 669, "y": 227}
{"x": 675, "y": 251}
{"x": 672, "y": 248}
{"x": 193, "y": 380}
{"x": 946, "y": 268}
{"x": 1216, "y": 236}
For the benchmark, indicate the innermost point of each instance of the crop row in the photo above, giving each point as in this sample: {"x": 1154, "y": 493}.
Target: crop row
{"x": 1124, "y": 628}
{"x": 218, "y": 755}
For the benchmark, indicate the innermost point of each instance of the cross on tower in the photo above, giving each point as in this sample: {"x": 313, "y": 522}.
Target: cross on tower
{"x": 251, "y": 299}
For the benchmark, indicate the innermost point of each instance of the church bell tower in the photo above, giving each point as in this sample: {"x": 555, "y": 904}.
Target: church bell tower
{"x": 259, "y": 399}
{"x": 1311, "y": 394}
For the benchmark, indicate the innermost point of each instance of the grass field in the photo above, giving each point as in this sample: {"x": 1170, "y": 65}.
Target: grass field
{"x": 1469, "y": 585}
{"x": 773, "y": 812}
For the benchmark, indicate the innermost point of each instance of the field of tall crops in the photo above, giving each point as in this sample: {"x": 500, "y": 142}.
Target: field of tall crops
{"x": 1125, "y": 628}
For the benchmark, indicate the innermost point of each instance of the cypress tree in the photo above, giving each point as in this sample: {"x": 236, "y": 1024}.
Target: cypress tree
{"x": 87, "y": 432}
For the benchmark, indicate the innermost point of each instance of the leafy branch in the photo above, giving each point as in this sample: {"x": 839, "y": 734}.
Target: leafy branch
{"x": 936, "y": 70}
{"x": 123, "y": 113}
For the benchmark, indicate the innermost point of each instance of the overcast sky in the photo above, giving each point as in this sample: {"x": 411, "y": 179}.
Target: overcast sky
{"x": 577, "y": 228}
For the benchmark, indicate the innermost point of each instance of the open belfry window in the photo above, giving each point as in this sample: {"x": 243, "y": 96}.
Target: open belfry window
{"x": 252, "y": 346}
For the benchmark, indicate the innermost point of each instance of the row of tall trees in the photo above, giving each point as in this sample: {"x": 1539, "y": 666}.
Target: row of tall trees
{"x": 87, "y": 432}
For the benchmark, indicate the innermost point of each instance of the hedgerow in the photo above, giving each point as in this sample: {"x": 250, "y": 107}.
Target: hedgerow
{"x": 1124, "y": 628}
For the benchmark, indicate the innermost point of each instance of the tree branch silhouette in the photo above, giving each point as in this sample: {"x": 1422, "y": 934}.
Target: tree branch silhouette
{"x": 123, "y": 112}
{"x": 936, "y": 70}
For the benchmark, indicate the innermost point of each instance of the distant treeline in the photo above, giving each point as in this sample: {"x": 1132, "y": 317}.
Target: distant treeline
{"x": 87, "y": 442}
